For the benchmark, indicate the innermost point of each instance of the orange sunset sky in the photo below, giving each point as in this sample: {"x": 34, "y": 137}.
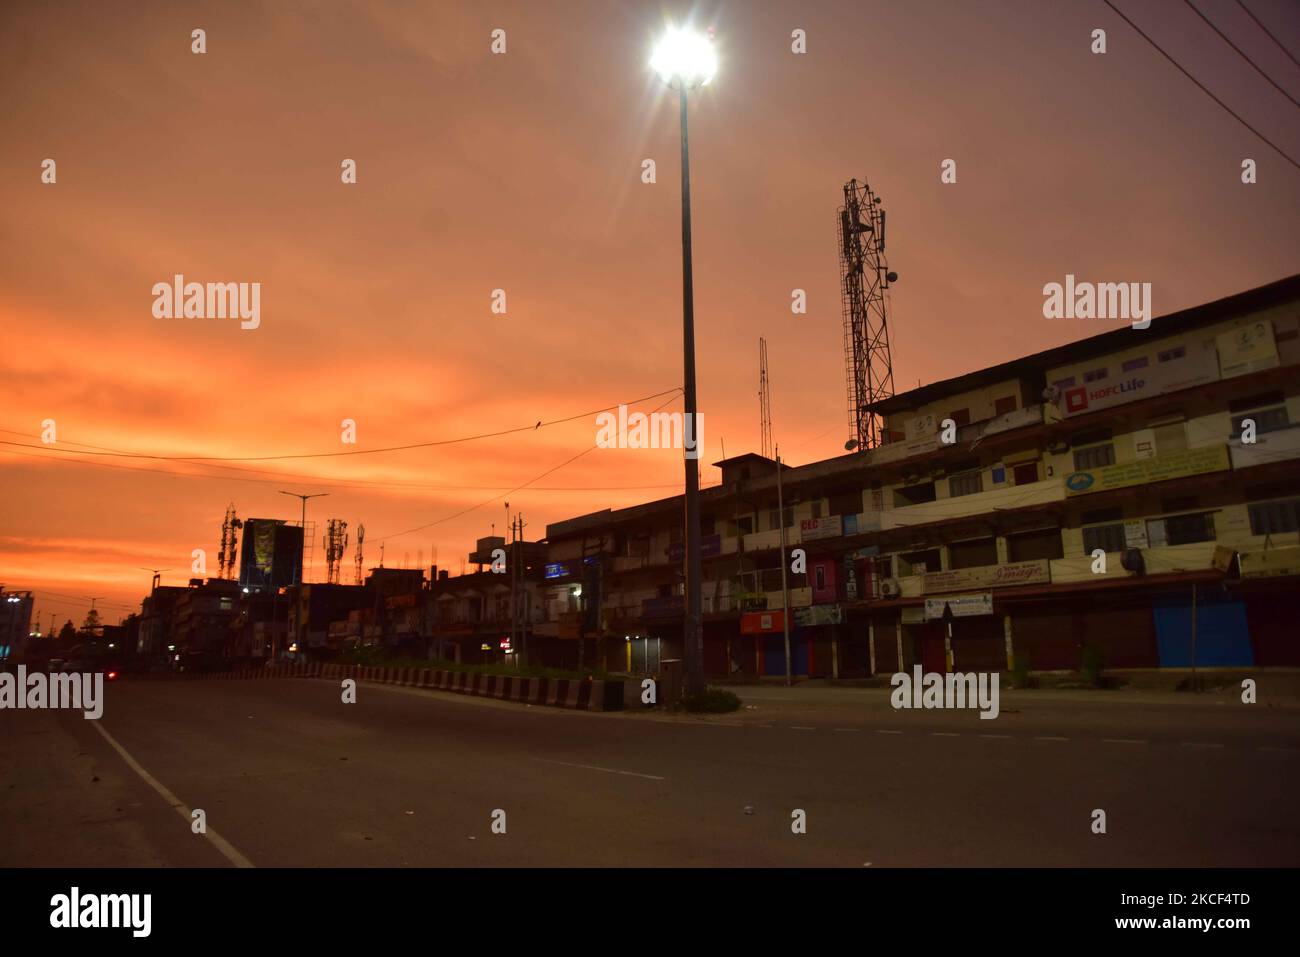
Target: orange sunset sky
{"x": 522, "y": 171}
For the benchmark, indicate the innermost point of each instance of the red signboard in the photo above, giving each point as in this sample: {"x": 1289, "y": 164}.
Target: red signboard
{"x": 761, "y": 622}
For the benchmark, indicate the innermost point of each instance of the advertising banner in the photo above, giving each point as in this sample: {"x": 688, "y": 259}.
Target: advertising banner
{"x": 989, "y": 576}
{"x": 1213, "y": 458}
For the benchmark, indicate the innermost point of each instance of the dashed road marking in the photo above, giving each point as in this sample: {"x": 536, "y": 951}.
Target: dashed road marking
{"x": 801, "y": 727}
{"x": 995, "y": 735}
{"x": 1123, "y": 741}
{"x": 855, "y": 730}
{"x": 945, "y": 734}
{"x": 886, "y": 731}
{"x": 1049, "y": 737}
{"x": 592, "y": 767}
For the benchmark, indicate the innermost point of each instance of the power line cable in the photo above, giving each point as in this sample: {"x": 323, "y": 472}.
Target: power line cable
{"x": 1267, "y": 33}
{"x": 1242, "y": 53}
{"x": 394, "y": 448}
{"x": 1200, "y": 85}
{"x": 448, "y": 518}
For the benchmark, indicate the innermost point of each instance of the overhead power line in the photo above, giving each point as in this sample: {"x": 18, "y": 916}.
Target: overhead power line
{"x": 466, "y": 511}
{"x": 1267, "y": 33}
{"x": 325, "y": 455}
{"x": 1241, "y": 53}
{"x": 1204, "y": 89}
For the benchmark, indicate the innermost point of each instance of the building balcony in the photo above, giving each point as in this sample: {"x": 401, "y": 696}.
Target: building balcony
{"x": 978, "y": 503}
{"x": 1269, "y": 447}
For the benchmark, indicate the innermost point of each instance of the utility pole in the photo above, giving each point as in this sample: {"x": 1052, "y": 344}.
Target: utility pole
{"x": 785, "y": 585}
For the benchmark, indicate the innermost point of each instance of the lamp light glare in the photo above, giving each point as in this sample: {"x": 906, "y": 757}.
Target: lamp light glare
{"x": 686, "y": 56}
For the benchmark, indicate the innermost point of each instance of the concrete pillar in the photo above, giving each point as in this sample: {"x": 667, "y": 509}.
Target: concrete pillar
{"x": 898, "y": 634}
{"x": 1006, "y": 630}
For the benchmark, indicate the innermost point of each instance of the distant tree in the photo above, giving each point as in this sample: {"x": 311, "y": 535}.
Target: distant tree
{"x": 92, "y": 623}
{"x": 67, "y": 635}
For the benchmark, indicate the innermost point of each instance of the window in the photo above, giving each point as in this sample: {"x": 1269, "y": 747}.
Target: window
{"x": 1274, "y": 518}
{"x": 961, "y": 417}
{"x": 1004, "y": 405}
{"x": 1025, "y": 474}
{"x": 1170, "y": 437}
{"x": 973, "y": 554}
{"x": 819, "y": 577}
{"x": 1186, "y": 529}
{"x": 1141, "y": 362}
{"x": 774, "y": 520}
{"x": 913, "y": 494}
{"x": 1096, "y": 375}
{"x": 847, "y": 502}
{"x": 918, "y": 563}
{"x": 1040, "y": 543}
{"x": 1094, "y": 457}
{"x": 1091, "y": 437}
{"x": 1109, "y": 538}
{"x": 968, "y": 483}
{"x": 1266, "y": 420}
{"x": 1169, "y": 355}
{"x": 708, "y": 525}
{"x": 674, "y": 534}
{"x": 745, "y": 525}
{"x": 1064, "y": 383}
{"x": 816, "y": 509}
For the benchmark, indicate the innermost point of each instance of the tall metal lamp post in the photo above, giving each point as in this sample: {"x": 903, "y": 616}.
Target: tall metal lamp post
{"x": 685, "y": 60}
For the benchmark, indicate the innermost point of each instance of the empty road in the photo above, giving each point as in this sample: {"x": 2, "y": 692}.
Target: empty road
{"x": 288, "y": 775}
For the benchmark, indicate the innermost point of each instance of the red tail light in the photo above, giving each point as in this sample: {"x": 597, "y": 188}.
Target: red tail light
{"x": 112, "y": 676}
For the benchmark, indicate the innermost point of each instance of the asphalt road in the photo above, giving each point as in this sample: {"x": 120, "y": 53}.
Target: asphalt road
{"x": 288, "y": 775}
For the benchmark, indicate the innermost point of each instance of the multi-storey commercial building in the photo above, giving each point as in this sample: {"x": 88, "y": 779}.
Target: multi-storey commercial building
{"x": 1136, "y": 492}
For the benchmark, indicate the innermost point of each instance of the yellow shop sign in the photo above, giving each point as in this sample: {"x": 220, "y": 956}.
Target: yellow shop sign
{"x": 1212, "y": 458}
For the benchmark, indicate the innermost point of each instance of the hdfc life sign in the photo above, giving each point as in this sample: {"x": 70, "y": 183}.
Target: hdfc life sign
{"x": 1082, "y": 398}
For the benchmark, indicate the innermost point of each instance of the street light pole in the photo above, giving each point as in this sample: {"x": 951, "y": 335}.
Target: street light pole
{"x": 694, "y": 611}
{"x": 785, "y": 585}
{"x": 304, "y": 526}
{"x": 685, "y": 59}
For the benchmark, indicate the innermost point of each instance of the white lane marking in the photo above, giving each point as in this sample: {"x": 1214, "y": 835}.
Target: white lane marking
{"x": 1200, "y": 744}
{"x": 855, "y": 730}
{"x": 944, "y": 734}
{"x": 220, "y": 843}
{"x": 995, "y": 735}
{"x": 1123, "y": 741}
{"x": 1049, "y": 737}
{"x": 801, "y": 727}
{"x": 592, "y": 767}
{"x": 886, "y": 731}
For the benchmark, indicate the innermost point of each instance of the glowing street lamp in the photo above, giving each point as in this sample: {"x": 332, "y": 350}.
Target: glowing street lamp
{"x": 685, "y": 60}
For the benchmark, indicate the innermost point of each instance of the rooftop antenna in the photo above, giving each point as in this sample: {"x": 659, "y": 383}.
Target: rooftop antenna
{"x": 764, "y": 400}
{"x": 336, "y": 543}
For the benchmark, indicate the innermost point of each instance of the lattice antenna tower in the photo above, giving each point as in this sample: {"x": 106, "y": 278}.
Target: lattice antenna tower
{"x": 361, "y": 537}
{"x": 227, "y": 556}
{"x": 336, "y": 543}
{"x": 865, "y": 280}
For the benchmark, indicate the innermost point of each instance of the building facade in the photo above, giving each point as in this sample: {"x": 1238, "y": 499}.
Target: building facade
{"x": 1136, "y": 493}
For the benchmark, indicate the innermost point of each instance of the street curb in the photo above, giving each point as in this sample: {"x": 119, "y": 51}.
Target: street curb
{"x": 591, "y": 694}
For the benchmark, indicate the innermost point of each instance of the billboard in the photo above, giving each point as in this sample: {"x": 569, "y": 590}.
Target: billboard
{"x": 270, "y": 554}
